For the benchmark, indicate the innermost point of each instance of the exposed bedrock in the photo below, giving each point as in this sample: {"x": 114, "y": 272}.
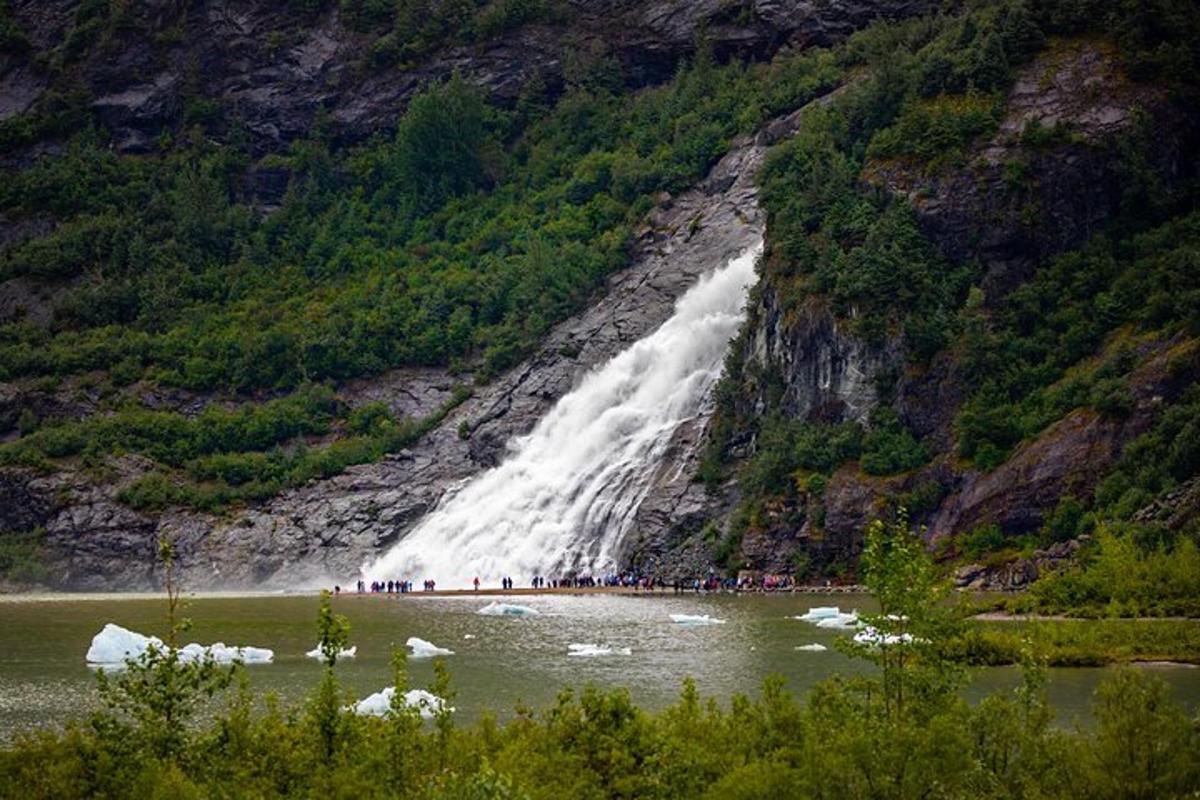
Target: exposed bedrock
{"x": 272, "y": 67}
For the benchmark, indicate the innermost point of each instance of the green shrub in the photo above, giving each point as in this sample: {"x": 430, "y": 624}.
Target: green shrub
{"x": 981, "y": 540}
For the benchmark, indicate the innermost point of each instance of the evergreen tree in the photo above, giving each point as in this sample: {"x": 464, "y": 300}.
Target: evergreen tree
{"x": 989, "y": 70}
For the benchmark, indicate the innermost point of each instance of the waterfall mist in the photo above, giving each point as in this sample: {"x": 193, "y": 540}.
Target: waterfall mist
{"x": 566, "y": 494}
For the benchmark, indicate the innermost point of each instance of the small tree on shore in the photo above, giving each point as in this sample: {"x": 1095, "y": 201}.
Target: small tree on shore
{"x": 158, "y": 692}
{"x": 915, "y": 620}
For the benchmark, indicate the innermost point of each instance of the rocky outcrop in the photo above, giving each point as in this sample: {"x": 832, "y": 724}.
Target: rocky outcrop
{"x": 1050, "y": 176}
{"x": 1018, "y": 573}
{"x": 1176, "y": 509}
{"x": 271, "y": 67}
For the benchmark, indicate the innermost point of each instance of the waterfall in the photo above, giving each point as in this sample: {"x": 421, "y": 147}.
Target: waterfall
{"x": 566, "y": 494}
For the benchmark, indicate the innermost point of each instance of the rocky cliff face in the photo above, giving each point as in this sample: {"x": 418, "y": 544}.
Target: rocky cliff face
{"x": 809, "y": 365}
{"x": 272, "y": 67}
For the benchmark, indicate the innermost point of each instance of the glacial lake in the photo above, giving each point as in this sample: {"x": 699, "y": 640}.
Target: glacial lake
{"x": 499, "y": 662}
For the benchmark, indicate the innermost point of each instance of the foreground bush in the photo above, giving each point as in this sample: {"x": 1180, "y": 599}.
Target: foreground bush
{"x": 836, "y": 743}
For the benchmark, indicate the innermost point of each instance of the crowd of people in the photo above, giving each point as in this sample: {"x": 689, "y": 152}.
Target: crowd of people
{"x": 752, "y": 582}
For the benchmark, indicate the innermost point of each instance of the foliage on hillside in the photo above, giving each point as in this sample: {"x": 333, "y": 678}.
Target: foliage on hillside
{"x": 1076, "y": 336}
{"x": 457, "y": 241}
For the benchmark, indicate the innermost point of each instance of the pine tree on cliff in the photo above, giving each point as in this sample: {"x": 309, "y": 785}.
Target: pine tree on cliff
{"x": 1022, "y": 36}
{"x": 990, "y": 68}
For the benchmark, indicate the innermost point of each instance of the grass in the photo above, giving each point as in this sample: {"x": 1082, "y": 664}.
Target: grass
{"x": 1079, "y": 643}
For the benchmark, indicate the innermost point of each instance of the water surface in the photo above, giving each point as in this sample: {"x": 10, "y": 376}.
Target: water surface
{"x": 509, "y": 660}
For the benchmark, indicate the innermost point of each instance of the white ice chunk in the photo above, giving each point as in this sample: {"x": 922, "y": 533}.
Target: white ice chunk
{"x": 812, "y": 648}
{"x": 820, "y": 612}
{"x": 696, "y": 619}
{"x": 114, "y": 644}
{"x": 873, "y": 638}
{"x": 349, "y": 652}
{"x": 586, "y": 650}
{"x": 424, "y": 649}
{"x": 830, "y": 617}
{"x": 494, "y": 609}
{"x": 841, "y": 621}
{"x": 223, "y": 654}
{"x": 378, "y": 704}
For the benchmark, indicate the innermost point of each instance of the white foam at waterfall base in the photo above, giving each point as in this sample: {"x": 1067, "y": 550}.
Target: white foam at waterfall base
{"x": 567, "y": 493}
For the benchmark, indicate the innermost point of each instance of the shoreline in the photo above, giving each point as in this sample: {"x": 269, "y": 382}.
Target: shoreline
{"x": 228, "y": 594}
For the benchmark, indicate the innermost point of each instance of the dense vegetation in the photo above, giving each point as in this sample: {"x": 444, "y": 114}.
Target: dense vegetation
{"x": 902, "y": 732}
{"x": 1087, "y": 327}
{"x": 465, "y": 234}
{"x": 456, "y": 241}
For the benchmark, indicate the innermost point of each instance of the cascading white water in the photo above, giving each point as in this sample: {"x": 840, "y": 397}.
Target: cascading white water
{"x": 566, "y": 495}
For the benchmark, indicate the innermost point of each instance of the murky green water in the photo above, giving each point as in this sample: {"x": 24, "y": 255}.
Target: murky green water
{"x": 508, "y": 660}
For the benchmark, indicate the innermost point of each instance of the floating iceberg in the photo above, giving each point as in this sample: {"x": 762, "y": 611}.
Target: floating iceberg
{"x": 349, "y": 652}
{"x": 873, "y": 638}
{"x": 841, "y": 621}
{"x": 819, "y": 613}
{"x": 830, "y": 617}
{"x": 424, "y": 649}
{"x": 223, "y": 654}
{"x": 378, "y": 704}
{"x": 812, "y": 648}
{"x": 586, "y": 650}
{"x": 114, "y": 645}
{"x": 696, "y": 619}
{"x": 507, "y": 610}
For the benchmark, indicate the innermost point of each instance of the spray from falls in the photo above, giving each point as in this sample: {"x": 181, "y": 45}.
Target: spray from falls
{"x": 566, "y": 495}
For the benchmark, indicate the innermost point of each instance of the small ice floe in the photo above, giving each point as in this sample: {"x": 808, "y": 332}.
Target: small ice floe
{"x": 585, "y": 650}
{"x": 830, "y": 617}
{"x": 819, "y": 613}
{"x": 378, "y": 704}
{"x": 507, "y": 610}
{"x": 873, "y": 637}
{"x": 349, "y": 652}
{"x": 841, "y": 621}
{"x": 696, "y": 619}
{"x": 114, "y": 645}
{"x": 424, "y": 649}
{"x": 223, "y": 654}
{"x": 812, "y": 648}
